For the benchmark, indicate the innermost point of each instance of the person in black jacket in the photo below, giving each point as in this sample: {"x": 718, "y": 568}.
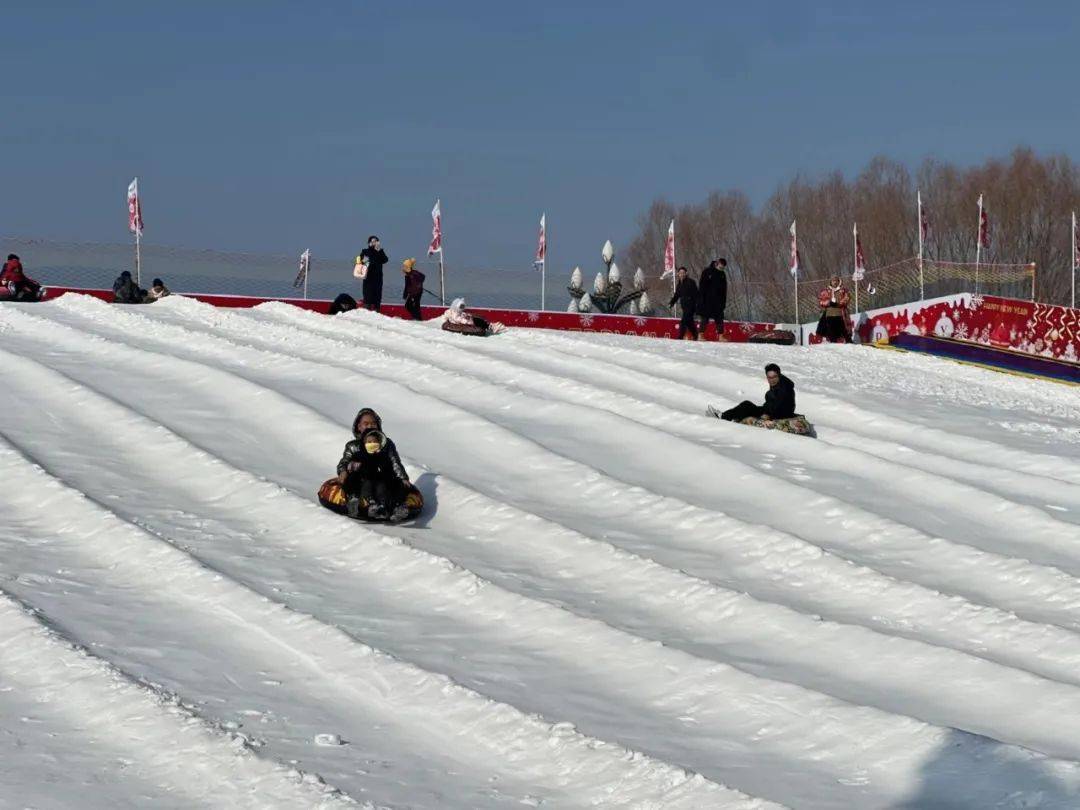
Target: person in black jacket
{"x": 686, "y": 293}
{"x": 779, "y": 400}
{"x": 126, "y": 291}
{"x": 375, "y": 258}
{"x": 713, "y": 287}
{"x": 371, "y": 470}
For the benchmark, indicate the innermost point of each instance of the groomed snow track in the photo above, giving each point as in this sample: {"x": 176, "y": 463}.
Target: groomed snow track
{"x": 610, "y": 601}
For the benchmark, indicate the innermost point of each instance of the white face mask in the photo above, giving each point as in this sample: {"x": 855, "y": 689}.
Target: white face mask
{"x": 372, "y": 447}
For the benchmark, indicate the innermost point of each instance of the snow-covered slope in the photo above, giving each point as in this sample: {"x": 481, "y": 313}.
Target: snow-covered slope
{"x": 610, "y": 601}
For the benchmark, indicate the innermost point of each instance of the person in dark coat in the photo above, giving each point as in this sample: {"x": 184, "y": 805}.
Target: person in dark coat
{"x": 371, "y": 469}
{"x": 779, "y": 400}
{"x": 18, "y": 286}
{"x": 686, "y": 293}
{"x": 414, "y": 288}
{"x": 343, "y": 303}
{"x": 374, "y": 257}
{"x": 126, "y": 291}
{"x": 713, "y": 287}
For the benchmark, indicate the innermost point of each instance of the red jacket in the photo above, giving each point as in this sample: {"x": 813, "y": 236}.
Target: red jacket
{"x": 12, "y": 272}
{"x": 843, "y": 298}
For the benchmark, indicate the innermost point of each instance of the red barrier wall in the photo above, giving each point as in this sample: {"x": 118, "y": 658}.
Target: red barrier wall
{"x": 734, "y": 331}
{"x": 1040, "y": 330}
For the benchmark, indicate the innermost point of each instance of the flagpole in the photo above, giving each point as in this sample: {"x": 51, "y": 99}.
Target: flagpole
{"x": 922, "y": 287}
{"x": 855, "y": 247}
{"x": 306, "y": 274}
{"x": 1072, "y": 262}
{"x": 795, "y": 275}
{"x": 978, "y": 244}
{"x": 543, "y": 265}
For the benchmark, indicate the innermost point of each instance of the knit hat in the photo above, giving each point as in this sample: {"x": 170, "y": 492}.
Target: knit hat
{"x": 158, "y": 283}
{"x": 409, "y": 264}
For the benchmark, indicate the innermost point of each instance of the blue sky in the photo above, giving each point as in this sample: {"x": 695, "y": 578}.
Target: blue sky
{"x": 267, "y": 126}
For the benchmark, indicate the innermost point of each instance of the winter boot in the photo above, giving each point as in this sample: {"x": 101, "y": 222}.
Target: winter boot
{"x": 352, "y": 506}
{"x": 401, "y": 511}
{"x": 376, "y": 512}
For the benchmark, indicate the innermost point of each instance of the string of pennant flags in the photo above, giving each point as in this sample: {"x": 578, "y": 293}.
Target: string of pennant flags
{"x": 858, "y": 275}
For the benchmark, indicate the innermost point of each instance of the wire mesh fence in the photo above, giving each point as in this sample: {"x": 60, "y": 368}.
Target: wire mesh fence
{"x": 74, "y": 264}
{"x": 92, "y": 265}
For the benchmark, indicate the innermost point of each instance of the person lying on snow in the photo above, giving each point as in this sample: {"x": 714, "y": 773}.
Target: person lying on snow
{"x": 15, "y": 285}
{"x": 371, "y": 472}
{"x": 126, "y": 291}
{"x": 779, "y": 400}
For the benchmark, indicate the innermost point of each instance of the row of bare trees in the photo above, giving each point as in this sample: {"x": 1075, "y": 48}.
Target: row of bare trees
{"x": 1029, "y": 200}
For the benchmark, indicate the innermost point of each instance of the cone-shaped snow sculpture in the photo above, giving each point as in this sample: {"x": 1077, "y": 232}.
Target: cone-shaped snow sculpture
{"x": 585, "y": 304}
{"x": 608, "y": 253}
{"x": 613, "y": 274}
{"x": 644, "y": 304}
{"x": 575, "y": 278}
{"x": 639, "y": 279}
{"x": 573, "y": 306}
{"x": 599, "y": 284}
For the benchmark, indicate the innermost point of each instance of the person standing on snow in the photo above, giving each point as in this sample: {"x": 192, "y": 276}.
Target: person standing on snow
{"x": 686, "y": 293}
{"x": 374, "y": 257}
{"x": 414, "y": 288}
{"x": 834, "y": 300}
{"x": 713, "y": 286}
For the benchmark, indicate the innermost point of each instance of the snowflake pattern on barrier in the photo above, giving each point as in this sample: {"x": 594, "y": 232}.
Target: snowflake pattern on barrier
{"x": 534, "y": 317}
{"x": 586, "y": 320}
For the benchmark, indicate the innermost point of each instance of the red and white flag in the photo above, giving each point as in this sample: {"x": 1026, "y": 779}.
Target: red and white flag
{"x": 436, "y": 230}
{"x": 669, "y": 252}
{"x": 860, "y": 261}
{"x": 541, "y": 244}
{"x": 135, "y": 220}
{"x": 794, "y": 268}
{"x": 305, "y": 266}
{"x": 924, "y": 221}
{"x": 984, "y": 225}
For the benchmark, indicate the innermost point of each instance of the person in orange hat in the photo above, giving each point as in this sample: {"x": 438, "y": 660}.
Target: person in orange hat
{"x": 414, "y": 288}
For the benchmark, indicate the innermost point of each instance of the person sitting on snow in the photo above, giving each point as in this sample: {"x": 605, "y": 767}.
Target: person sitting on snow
{"x": 834, "y": 300}
{"x": 15, "y": 283}
{"x": 779, "y": 400}
{"x": 459, "y": 319}
{"x": 371, "y": 470}
{"x": 157, "y": 291}
{"x": 126, "y": 291}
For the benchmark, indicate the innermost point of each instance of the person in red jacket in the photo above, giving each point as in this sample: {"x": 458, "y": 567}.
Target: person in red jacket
{"x": 834, "y": 300}
{"x": 414, "y": 288}
{"x": 15, "y": 285}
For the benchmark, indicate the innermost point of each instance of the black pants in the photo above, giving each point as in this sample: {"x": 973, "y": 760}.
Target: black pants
{"x": 742, "y": 411}
{"x": 372, "y": 490}
{"x": 713, "y": 316}
{"x": 688, "y": 324}
{"x": 412, "y": 306}
{"x": 373, "y": 294}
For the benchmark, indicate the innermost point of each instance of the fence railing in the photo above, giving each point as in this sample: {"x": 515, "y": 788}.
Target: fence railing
{"x": 93, "y": 265}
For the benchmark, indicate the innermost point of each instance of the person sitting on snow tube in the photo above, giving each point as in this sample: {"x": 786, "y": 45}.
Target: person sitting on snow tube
{"x": 779, "y": 400}
{"x": 15, "y": 285}
{"x": 126, "y": 291}
{"x": 458, "y": 319}
{"x": 371, "y": 472}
